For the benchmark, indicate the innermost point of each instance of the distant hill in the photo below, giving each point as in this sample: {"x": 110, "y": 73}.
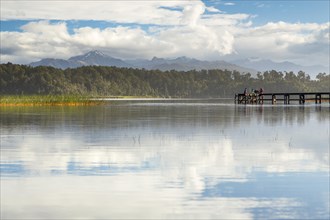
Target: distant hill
{"x": 98, "y": 58}
{"x": 92, "y": 58}
{"x": 186, "y": 64}
{"x": 265, "y": 65}
{"x": 180, "y": 64}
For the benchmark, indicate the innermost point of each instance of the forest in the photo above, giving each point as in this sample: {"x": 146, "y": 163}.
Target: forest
{"x": 18, "y": 79}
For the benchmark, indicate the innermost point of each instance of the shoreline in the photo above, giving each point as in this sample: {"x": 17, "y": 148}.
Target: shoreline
{"x": 48, "y": 100}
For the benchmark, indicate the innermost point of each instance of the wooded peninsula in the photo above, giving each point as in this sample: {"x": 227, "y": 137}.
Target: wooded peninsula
{"x": 113, "y": 81}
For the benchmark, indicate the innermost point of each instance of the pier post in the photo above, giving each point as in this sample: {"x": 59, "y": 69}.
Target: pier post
{"x": 261, "y": 99}
{"x": 273, "y": 99}
{"x": 286, "y": 99}
{"x": 318, "y": 98}
{"x": 301, "y": 99}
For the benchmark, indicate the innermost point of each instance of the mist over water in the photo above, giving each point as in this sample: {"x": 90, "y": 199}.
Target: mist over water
{"x": 160, "y": 159}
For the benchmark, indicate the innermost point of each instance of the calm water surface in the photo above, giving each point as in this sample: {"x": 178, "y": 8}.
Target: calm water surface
{"x": 183, "y": 159}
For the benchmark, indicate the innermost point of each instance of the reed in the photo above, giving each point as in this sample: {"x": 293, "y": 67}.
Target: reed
{"x": 56, "y": 100}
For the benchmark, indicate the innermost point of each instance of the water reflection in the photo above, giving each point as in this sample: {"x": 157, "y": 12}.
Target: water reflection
{"x": 165, "y": 160}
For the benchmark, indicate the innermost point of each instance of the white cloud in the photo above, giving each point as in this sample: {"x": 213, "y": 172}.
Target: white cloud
{"x": 229, "y": 3}
{"x": 304, "y": 43}
{"x": 192, "y": 14}
{"x": 199, "y": 39}
{"x": 145, "y": 12}
{"x": 212, "y": 9}
{"x": 43, "y": 39}
{"x": 260, "y": 5}
{"x": 182, "y": 28}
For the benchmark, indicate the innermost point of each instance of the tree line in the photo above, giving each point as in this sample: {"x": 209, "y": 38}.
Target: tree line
{"x": 113, "y": 81}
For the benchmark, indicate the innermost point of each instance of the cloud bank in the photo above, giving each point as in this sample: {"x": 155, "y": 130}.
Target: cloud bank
{"x": 155, "y": 28}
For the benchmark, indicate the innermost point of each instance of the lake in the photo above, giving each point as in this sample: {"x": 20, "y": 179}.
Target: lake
{"x": 165, "y": 159}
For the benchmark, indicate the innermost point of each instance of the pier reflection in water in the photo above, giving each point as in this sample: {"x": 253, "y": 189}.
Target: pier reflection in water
{"x": 161, "y": 159}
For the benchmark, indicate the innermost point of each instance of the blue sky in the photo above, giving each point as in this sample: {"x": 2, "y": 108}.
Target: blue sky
{"x": 208, "y": 30}
{"x": 275, "y": 10}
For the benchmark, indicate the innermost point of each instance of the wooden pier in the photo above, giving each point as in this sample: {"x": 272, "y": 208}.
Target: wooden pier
{"x": 285, "y": 98}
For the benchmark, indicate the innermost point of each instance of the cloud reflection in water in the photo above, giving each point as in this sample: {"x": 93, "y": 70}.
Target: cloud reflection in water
{"x": 128, "y": 161}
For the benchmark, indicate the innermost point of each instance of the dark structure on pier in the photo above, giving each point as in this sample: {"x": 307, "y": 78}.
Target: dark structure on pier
{"x": 286, "y": 98}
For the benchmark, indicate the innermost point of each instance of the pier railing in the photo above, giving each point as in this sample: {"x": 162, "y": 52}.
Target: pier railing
{"x": 286, "y": 98}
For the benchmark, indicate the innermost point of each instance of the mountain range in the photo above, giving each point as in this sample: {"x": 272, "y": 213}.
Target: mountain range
{"x": 264, "y": 65}
{"x": 251, "y": 65}
{"x": 100, "y": 59}
{"x": 91, "y": 58}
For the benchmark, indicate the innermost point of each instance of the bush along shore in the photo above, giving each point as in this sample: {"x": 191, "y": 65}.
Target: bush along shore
{"x": 50, "y": 100}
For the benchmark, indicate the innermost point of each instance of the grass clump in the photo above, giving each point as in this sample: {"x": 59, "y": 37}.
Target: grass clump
{"x": 26, "y": 100}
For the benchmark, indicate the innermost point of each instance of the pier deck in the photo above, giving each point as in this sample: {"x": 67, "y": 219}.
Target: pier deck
{"x": 286, "y": 98}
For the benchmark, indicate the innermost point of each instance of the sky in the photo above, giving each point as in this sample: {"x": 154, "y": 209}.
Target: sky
{"x": 292, "y": 30}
